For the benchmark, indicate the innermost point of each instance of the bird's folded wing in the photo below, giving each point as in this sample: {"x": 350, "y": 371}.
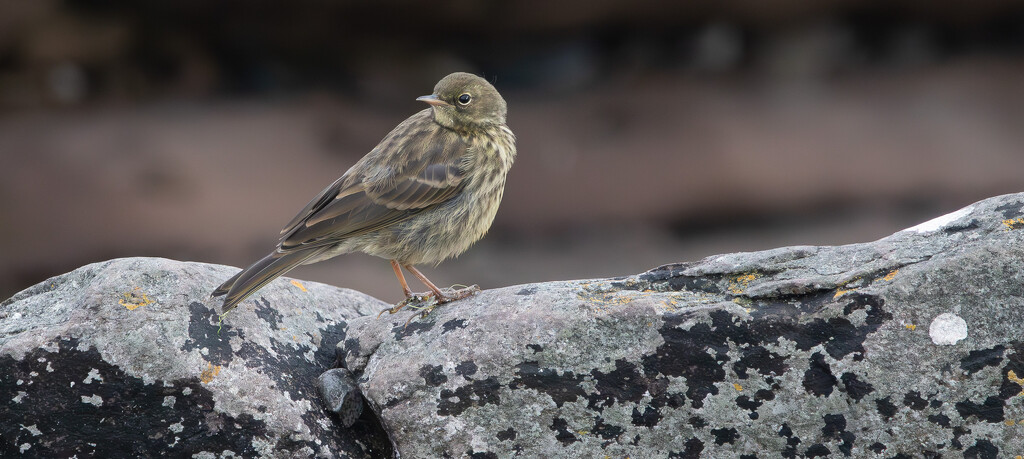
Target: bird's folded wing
{"x": 314, "y": 205}
{"x": 365, "y": 206}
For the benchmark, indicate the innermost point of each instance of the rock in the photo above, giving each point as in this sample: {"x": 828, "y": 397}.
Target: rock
{"x": 341, "y": 394}
{"x": 910, "y": 345}
{"x": 126, "y": 358}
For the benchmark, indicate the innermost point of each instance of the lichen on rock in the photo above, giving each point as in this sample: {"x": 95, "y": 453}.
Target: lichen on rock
{"x": 128, "y": 358}
{"x": 852, "y": 351}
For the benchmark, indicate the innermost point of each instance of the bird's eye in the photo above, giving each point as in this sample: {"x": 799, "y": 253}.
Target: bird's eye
{"x": 465, "y": 98}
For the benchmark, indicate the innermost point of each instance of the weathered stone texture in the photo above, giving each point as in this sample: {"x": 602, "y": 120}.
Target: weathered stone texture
{"x": 126, "y": 358}
{"x": 911, "y": 345}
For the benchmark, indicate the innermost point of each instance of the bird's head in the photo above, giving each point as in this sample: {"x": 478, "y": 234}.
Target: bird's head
{"x": 464, "y": 100}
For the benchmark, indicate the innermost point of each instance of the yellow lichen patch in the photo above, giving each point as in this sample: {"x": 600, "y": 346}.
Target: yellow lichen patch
{"x": 134, "y": 299}
{"x": 207, "y": 375}
{"x": 1012, "y": 376}
{"x": 891, "y": 275}
{"x": 746, "y": 278}
{"x": 299, "y": 285}
{"x": 610, "y": 299}
{"x": 1014, "y": 223}
{"x": 605, "y": 299}
{"x": 740, "y": 283}
{"x": 670, "y": 304}
{"x": 1010, "y": 422}
{"x": 910, "y": 327}
{"x": 840, "y": 292}
{"x": 737, "y": 386}
{"x": 746, "y": 303}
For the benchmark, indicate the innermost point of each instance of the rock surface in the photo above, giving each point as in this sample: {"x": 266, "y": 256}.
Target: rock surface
{"x": 125, "y": 358}
{"x": 341, "y": 395}
{"x": 909, "y": 346}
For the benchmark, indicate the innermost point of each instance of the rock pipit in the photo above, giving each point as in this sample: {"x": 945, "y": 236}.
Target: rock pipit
{"x": 424, "y": 194}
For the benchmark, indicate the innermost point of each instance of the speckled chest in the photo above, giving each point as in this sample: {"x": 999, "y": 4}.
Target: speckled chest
{"x": 470, "y": 214}
{"x": 447, "y": 230}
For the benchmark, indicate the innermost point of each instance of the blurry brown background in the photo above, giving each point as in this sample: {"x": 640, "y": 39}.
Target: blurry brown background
{"x": 649, "y": 132}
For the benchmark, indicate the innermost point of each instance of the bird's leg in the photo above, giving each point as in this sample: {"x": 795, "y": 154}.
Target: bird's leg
{"x": 401, "y": 279}
{"x": 409, "y": 296}
{"x": 438, "y": 294}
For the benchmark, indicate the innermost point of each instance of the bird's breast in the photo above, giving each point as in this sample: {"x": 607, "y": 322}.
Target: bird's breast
{"x": 447, "y": 229}
{"x": 466, "y": 218}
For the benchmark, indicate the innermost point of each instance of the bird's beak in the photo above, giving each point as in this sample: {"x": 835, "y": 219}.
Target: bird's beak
{"x": 432, "y": 100}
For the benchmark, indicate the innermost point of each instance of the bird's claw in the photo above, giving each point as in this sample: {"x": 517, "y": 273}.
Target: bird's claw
{"x": 411, "y": 301}
{"x": 460, "y": 293}
{"x": 426, "y": 302}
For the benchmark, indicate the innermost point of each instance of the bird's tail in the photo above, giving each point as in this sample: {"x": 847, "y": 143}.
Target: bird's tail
{"x": 253, "y": 278}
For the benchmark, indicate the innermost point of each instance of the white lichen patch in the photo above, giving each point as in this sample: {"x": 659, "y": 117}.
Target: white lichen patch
{"x": 455, "y": 426}
{"x": 261, "y": 445}
{"x": 32, "y": 429}
{"x": 947, "y": 329}
{"x": 169, "y": 401}
{"x": 93, "y": 400}
{"x": 938, "y": 223}
{"x": 94, "y": 375}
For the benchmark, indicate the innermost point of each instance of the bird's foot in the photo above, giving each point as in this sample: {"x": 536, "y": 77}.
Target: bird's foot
{"x": 414, "y": 300}
{"x": 457, "y": 294}
{"x": 452, "y": 295}
{"x": 426, "y": 302}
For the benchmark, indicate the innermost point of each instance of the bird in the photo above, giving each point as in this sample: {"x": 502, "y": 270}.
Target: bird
{"x": 424, "y": 194}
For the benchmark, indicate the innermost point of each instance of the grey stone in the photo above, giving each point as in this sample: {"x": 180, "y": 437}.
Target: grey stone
{"x": 341, "y": 394}
{"x": 126, "y": 358}
{"x": 910, "y": 345}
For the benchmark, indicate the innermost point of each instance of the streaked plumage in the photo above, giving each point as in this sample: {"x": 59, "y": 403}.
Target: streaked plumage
{"x": 427, "y": 192}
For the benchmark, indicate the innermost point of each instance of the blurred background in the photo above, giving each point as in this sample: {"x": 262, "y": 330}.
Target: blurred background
{"x": 649, "y": 132}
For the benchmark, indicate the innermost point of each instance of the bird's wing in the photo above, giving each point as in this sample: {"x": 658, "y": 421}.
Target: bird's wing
{"x": 316, "y": 204}
{"x": 394, "y": 182}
